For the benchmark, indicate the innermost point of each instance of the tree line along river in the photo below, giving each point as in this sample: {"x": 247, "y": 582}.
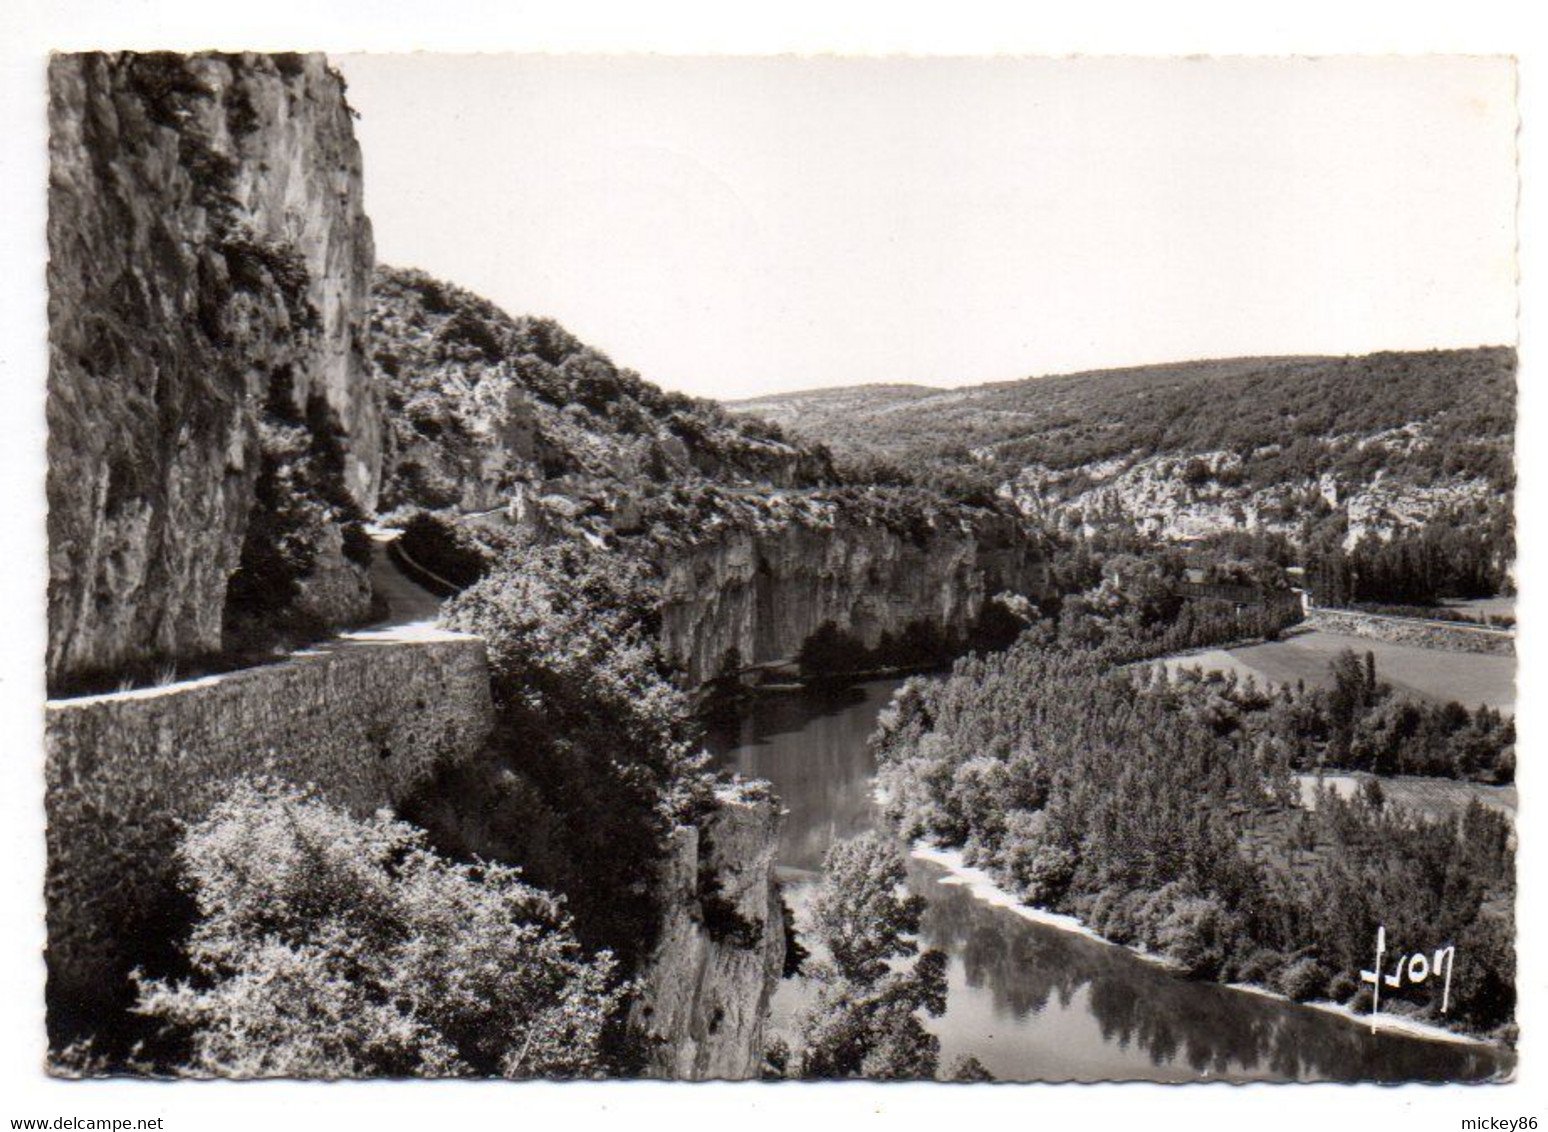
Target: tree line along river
{"x": 1032, "y": 1001}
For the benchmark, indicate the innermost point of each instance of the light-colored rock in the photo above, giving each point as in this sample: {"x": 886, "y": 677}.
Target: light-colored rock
{"x": 706, "y": 989}
{"x": 760, "y": 591}
{"x": 207, "y": 247}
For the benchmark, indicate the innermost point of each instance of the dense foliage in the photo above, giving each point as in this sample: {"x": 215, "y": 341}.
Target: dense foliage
{"x": 1106, "y": 793}
{"x": 1358, "y": 723}
{"x": 873, "y": 984}
{"x": 435, "y": 542}
{"x": 1131, "y": 605}
{"x": 1451, "y": 556}
{"x": 299, "y": 501}
{"x": 328, "y": 946}
{"x": 832, "y": 652}
{"x": 1291, "y": 417}
{"x": 595, "y": 754}
{"x": 1412, "y": 447}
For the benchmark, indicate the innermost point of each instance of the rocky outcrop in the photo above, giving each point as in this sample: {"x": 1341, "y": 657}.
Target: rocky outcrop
{"x": 707, "y": 986}
{"x": 482, "y": 405}
{"x": 209, "y": 264}
{"x": 1206, "y": 493}
{"x": 752, "y": 593}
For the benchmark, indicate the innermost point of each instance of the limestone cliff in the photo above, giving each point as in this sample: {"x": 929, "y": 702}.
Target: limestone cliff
{"x": 209, "y": 266}
{"x": 707, "y": 986}
{"x": 752, "y": 593}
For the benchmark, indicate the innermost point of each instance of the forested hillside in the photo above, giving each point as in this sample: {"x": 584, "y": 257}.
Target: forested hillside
{"x": 1297, "y": 416}
{"x": 1166, "y": 816}
{"x": 1395, "y": 468}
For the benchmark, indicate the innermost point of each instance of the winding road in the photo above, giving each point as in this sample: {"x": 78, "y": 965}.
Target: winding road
{"x": 413, "y": 612}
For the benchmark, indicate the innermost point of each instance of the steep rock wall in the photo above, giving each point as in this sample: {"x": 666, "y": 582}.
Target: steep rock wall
{"x": 209, "y": 260}
{"x": 721, "y": 952}
{"x": 365, "y": 722}
{"x": 759, "y": 591}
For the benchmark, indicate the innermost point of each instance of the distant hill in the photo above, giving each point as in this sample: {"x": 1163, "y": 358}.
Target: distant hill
{"x": 1191, "y": 448}
{"x": 1465, "y": 398}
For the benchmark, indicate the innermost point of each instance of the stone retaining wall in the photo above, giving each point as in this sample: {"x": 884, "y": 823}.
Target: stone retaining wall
{"x": 365, "y": 720}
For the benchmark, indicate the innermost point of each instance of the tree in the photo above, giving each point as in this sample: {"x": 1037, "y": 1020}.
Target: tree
{"x": 830, "y": 651}
{"x": 866, "y": 1020}
{"x": 329, "y": 946}
{"x": 595, "y": 754}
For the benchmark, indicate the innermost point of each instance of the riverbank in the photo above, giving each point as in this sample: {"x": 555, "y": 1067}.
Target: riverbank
{"x": 985, "y": 888}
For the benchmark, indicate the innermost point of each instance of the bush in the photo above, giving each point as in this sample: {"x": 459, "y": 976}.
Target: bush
{"x": 1197, "y": 935}
{"x": 866, "y": 1019}
{"x": 299, "y": 496}
{"x": 830, "y": 651}
{"x": 358, "y": 547}
{"x": 1483, "y": 991}
{"x": 1303, "y": 980}
{"x": 333, "y": 947}
{"x": 1040, "y": 871}
{"x": 1261, "y": 968}
{"x": 968, "y": 1069}
{"x": 437, "y": 543}
{"x": 1343, "y": 987}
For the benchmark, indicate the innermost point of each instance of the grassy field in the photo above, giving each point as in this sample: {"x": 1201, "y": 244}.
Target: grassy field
{"x": 1432, "y": 674}
{"x": 1432, "y": 797}
{"x": 1483, "y": 608}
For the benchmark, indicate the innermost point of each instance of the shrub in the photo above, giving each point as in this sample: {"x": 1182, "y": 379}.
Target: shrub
{"x": 1343, "y": 987}
{"x": 437, "y": 543}
{"x": 358, "y": 547}
{"x": 1197, "y": 934}
{"x": 334, "y": 947}
{"x": 1040, "y": 871}
{"x": 298, "y": 498}
{"x": 1483, "y": 990}
{"x": 866, "y": 1017}
{"x": 1303, "y": 980}
{"x": 968, "y": 1069}
{"x": 830, "y": 651}
{"x": 1261, "y": 968}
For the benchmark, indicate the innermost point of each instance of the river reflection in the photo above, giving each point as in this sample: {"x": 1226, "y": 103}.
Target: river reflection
{"x": 1031, "y": 1001}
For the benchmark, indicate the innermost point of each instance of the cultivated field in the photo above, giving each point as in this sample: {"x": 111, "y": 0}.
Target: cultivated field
{"x": 1433, "y": 674}
{"x": 1432, "y": 797}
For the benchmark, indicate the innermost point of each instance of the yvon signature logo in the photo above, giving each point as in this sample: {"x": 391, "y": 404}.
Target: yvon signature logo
{"x": 1410, "y": 970}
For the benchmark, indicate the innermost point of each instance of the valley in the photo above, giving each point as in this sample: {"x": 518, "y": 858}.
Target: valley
{"x": 432, "y": 695}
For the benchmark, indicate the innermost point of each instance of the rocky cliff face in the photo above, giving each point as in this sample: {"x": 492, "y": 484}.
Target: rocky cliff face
{"x": 708, "y": 983}
{"x": 209, "y": 265}
{"x": 751, "y": 593}
{"x": 1204, "y": 493}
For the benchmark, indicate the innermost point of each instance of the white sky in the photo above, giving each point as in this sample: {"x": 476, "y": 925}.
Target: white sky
{"x": 739, "y": 226}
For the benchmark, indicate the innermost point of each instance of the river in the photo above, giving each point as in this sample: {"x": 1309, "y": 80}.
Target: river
{"x": 1031, "y": 1001}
